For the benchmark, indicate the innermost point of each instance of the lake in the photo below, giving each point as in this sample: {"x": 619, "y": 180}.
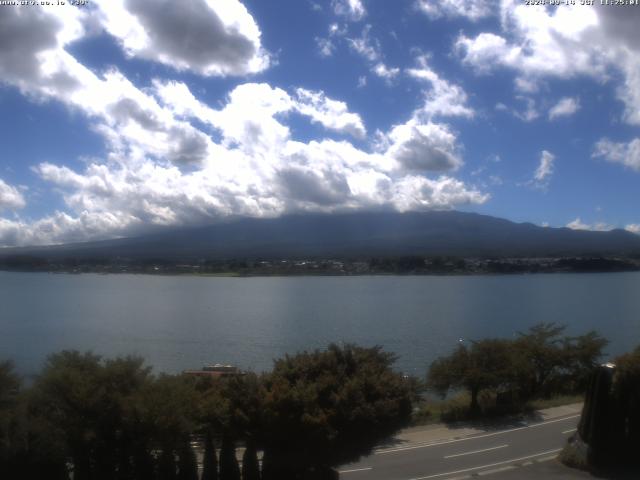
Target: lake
{"x": 180, "y": 322}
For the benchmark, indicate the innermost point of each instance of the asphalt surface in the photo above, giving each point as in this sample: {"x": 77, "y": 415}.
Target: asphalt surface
{"x": 495, "y": 452}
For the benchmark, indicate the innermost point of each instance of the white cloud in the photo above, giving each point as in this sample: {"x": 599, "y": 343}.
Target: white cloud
{"x": 424, "y": 148}
{"x": 443, "y": 98}
{"x": 37, "y": 63}
{"x": 526, "y": 85}
{"x": 172, "y": 159}
{"x": 627, "y": 154}
{"x": 471, "y": 9}
{"x": 530, "y": 113}
{"x": 545, "y": 42}
{"x": 385, "y": 72}
{"x": 10, "y": 197}
{"x": 351, "y": 9}
{"x": 420, "y": 193}
{"x": 332, "y": 114}
{"x": 365, "y": 46}
{"x": 209, "y": 37}
{"x": 633, "y": 228}
{"x": 257, "y": 169}
{"x": 538, "y": 42}
{"x": 578, "y": 224}
{"x": 369, "y": 48}
{"x": 327, "y": 46}
{"x": 545, "y": 169}
{"x": 565, "y": 107}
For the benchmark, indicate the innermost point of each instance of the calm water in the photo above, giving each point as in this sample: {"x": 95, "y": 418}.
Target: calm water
{"x": 185, "y": 322}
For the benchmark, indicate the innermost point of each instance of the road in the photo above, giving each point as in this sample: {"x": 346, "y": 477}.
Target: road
{"x": 472, "y": 455}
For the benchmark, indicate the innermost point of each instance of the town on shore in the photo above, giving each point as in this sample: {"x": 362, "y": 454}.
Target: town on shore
{"x": 399, "y": 265}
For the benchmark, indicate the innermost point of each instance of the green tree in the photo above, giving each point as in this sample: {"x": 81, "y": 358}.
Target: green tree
{"x": 324, "y": 408}
{"x": 549, "y": 363}
{"x": 487, "y": 364}
{"x": 541, "y": 355}
{"x": 581, "y": 355}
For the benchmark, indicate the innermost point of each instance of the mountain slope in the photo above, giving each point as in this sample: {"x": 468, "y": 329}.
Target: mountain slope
{"x": 354, "y": 235}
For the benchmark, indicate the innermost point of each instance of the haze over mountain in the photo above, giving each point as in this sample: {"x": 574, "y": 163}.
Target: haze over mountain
{"x": 353, "y": 235}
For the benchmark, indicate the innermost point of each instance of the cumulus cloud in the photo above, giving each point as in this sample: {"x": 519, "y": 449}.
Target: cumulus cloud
{"x": 424, "y": 148}
{"x": 578, "y": 224}
{"x": 332, "y": 114}
{"x": 351, "y": 9}
{"x": 627, "y": 154}
{"x": 37, "y": 63}
{"x": 419, "y": 193}
{"x": 443, "y": 98}
{"x": 472, "y": 9}
{"x": 537, "y": 42}
{"x": 173, "y": 159}
{"x": 10, "y": 197}
{"x": 257, "y": 168}
{"x": 213, "y": 38}
{"x": 565, "y": 107}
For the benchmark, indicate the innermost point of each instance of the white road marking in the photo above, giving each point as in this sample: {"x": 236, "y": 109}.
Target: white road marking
{"x": 570, "y": 430}
{"x": 487, "y": 466}
{"x": 476, "y": 451}
{"x": 355, "y": 470}
{"x": 473, "y": 437}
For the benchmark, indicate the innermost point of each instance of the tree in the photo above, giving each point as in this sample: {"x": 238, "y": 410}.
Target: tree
{"x": 250, "y": 465}
{"x": 487, "y": 364}
{"x": 9, "y": 393}
{"x": 626, "y": 392}
{"x": 187, "y": 464}
{"x": 89, "y": 400}
{"x": 324, "y": 408}
{"x": 581, "y": 356}
{"x": 210, "y": 460}
{"x": 540, "y": 356}
{"x": 229, "y": 468}
{"x": 548, "y": 363}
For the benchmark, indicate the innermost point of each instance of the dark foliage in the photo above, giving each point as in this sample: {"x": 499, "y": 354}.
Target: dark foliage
{"x": 325, "y": 408}
{"x": 229, "y": 468}
{"x": 210, "y": 460}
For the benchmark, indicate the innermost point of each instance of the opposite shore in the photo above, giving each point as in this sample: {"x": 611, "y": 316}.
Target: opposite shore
{"x": 406, "y": 265}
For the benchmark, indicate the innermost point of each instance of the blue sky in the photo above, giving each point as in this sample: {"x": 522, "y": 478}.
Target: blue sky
{"x": 124, "y": 116}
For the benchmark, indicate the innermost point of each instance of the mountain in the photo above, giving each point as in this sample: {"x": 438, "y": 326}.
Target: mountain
{"x": 352, "y": 235}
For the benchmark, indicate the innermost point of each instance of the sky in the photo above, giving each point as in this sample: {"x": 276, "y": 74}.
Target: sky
{"x": 122, "y": 117}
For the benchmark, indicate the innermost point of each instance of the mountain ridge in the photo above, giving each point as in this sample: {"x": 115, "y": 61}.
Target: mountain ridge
{"x": 351, "y": 235}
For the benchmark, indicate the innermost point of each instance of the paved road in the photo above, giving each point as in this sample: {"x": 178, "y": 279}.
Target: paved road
{"x": 478, "y": 454}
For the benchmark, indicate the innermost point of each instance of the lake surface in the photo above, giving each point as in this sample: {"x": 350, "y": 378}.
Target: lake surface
{"x": 179, "y": 322}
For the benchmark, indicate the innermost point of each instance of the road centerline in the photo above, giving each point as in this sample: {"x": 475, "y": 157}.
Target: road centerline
{"x": 480, "y": 467}
{"x": 472, "y": 437}
{"x": 353, "y": 470}
{"x": 476, "y": 451}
